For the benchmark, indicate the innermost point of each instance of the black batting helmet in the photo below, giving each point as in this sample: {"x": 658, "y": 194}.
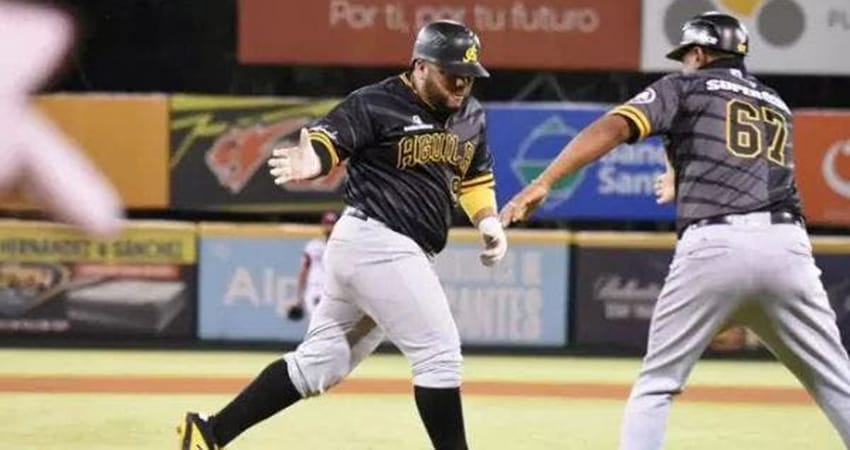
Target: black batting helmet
{"x": 452, "y": 46}
{"x": 713, "y": 30}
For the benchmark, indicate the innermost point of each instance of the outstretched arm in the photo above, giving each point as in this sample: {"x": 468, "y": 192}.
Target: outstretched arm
{"x": 599, "y": 138}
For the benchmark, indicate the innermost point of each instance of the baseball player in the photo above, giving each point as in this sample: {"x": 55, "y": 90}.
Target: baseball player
{"x": 415, "y": 146}
{"x": 311, "y": 275}
{"x": 743, "y": 255}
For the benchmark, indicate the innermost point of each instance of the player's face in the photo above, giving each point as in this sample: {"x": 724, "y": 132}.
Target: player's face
{"x": 693, "y": 59}
{"x": 443, "y": 89}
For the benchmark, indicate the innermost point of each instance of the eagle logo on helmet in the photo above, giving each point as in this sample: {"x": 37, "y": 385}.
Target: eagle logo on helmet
{"x": 471, "y": 55}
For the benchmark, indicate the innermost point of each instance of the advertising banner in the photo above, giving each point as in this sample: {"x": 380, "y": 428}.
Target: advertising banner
{"x": 248, "y": 279}
{"x": 54, "y": 280}
{"x": 125, "y": 136}
{"x": 832, "y": 255}
{"x": 520, "y": 302}
{"x": 620, "y": 275}
{"x": 219, "y": 149}
{"x": 822, "y": 155}
{"x": 617, "y": 285}
{"x": 526, "y": 138}
{"x": 786, "y": 36}
{"x": 530, "y": 34}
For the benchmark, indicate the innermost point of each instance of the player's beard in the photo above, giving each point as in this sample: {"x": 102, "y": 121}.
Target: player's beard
{"x": 443, "y": 98}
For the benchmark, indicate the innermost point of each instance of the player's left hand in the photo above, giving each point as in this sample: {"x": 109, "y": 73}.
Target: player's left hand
{"x": 524, "y": 204}
{"x": 495, "y": 241}
{"x": 665, "y": 187}
{"x": 295, "y": 163}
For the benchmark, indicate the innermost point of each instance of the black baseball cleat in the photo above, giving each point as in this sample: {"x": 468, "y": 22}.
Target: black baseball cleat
{"x": 195, "y": 433}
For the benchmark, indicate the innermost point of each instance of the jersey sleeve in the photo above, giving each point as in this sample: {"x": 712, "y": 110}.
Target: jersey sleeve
{"x": 480, "y": 172}
{"x": 477, "y": 188}
{"x": 653, "y": 110}
{"x": 343, "y": 131}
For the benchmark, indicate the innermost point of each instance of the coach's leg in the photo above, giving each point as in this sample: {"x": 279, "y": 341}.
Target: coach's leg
{"x": 693, "y": 306}
{"x": 406, "y": 299}
{"x": 340, "y": 337}
{"x": 798, "y": 324}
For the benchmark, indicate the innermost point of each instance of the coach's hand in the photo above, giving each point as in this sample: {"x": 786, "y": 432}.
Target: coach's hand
{"x": 523, "y": 204}
{"x": 295, "y": 163}
{"x": 665, "y": 187}
{"x": 495, "y": 241}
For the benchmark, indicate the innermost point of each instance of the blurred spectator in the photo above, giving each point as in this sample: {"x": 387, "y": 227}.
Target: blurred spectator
{"x": 311, "y": 275}
{"x": 35, "y": 158}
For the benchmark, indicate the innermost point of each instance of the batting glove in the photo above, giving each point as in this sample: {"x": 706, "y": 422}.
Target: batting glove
{"x": 495, "y": 241}
{"x": 295, "y": 163}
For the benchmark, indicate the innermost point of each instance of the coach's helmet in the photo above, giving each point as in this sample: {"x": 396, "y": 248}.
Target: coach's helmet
{"x": 713, "y": 30}
{"x": 452, "y": 46}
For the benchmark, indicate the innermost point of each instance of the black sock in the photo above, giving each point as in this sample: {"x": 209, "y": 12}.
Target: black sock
{"x": 442, "y": 414}
{"x": 269, "y": 393}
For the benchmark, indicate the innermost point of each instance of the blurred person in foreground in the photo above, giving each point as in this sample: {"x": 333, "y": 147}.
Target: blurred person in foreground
{"x": 743, "y": 255}
{"x": 36, "y": 159}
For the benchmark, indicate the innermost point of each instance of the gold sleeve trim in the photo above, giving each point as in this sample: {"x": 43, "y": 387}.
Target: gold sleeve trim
{"x": 637, "y": 116}
{"x": 484, "y": 185}
{"x": 477, "y": 199}
{"x": 327, "y": 142}
{"x": 479, "y": 179}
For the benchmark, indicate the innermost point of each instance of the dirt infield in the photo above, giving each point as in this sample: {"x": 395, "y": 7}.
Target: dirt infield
{"x": 230, "y": 385}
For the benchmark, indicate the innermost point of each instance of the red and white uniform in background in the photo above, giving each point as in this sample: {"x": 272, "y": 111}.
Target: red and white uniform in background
{"x": 313, "y": 252}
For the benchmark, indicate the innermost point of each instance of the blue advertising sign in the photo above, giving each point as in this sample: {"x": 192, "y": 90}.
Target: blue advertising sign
{"x": 246, "y": 284}
{"x": 525, "y": 138}
{"x": 520, "y": 302}
{"x": 248, "y": 276}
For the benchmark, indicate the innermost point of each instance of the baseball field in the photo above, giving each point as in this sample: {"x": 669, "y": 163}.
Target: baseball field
{"x": 99, "y": 399}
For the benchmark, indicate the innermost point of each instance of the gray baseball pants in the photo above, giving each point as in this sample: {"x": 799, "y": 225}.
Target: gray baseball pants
{"x": 378, "y": 283}
{"x": 749, "y": 273}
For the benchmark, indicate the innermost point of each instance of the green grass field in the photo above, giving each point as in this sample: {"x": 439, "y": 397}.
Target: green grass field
{"x": 383, "y": 422}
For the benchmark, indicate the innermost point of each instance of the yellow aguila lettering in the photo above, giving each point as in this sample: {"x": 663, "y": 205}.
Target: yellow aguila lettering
{"x": 428, "y": 148}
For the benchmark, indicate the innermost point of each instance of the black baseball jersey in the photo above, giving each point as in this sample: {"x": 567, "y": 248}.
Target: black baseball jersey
{"x": 407, "y": 162}
{"x": 728, "y": 137}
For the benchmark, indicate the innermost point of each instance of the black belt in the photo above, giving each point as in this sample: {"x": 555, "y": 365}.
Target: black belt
{"x": 776, "y": 217}
{"x": 361, "y": 215}
{"x": 356, "y": 213}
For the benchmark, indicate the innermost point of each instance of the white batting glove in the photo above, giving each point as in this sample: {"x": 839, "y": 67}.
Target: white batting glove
{"x": 495, "y": 241}
{"x": 295, "y": 163}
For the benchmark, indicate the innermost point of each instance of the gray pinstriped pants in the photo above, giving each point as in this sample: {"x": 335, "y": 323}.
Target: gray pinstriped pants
{"x": 750, "y": 273}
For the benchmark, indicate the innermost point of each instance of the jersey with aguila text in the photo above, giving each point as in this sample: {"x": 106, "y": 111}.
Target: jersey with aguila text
{"x": 406, "y": 161}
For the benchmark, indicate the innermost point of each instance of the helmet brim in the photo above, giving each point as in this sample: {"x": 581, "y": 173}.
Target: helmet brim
{"x": 475, "y": 70}
{"x": 679, "y": 52}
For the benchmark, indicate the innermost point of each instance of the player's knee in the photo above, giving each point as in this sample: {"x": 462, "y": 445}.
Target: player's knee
{"x": 314, "y": 371}
{"x": 440, "y": 369}
{"x": 656, "y": 386}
